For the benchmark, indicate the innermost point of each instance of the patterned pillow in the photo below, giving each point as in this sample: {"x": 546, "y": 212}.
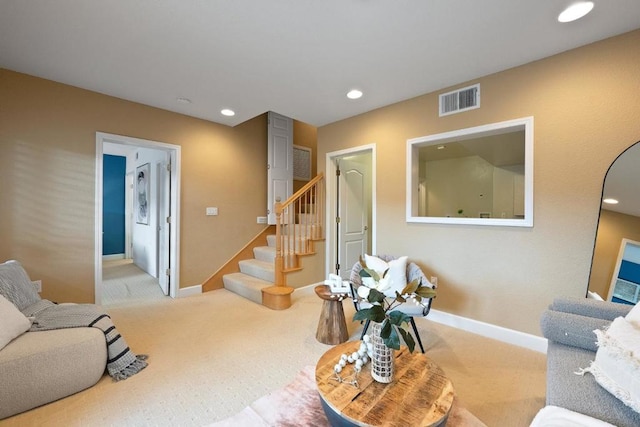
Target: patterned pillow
{"x": 16, "y": 286}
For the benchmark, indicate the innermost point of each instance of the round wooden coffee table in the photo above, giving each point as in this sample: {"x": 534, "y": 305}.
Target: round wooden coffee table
{"x": 419, "y": 395}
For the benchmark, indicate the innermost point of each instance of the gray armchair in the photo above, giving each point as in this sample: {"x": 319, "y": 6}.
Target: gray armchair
{"x": 411, "y": 309}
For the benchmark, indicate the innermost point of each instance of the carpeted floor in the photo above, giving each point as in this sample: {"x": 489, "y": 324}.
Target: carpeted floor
{"x": 123, "y": 282}
{"x": 212, "y": 355}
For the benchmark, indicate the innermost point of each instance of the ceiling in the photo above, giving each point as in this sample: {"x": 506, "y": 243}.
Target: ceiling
{"x": 295, "y": 57}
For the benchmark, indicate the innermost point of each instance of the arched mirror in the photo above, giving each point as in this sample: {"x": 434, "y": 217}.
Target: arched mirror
{"x": 615, "y": 269}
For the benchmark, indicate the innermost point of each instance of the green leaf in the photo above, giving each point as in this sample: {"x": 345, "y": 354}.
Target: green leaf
{"x": 363, "y": 314}
{"x": 375, "y": 313}
{"x": 393, "y": 341}
{"x": 426, "y": 292}
{"x": 367, "y": 272}
{"x": 375, "y": 296}
{"x": 400, "y": 298}
{"x": 363, "y": 264}
{"x": 386, "y": 329}
{"x": 408, "y": 339}
{"x": 411, "y": 287}
{"x": 398, "y": 318}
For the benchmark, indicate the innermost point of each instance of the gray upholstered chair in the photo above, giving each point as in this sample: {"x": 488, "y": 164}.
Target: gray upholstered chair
{"x": 409, "y": 308}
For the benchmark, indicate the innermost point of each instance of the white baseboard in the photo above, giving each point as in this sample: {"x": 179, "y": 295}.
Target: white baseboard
{"x": 310, "y": 286}
{"x": 509, "y": 336}
{"x": 521, "y": 339}
{"x": 189, "y": 291}
{"x": 112, "y": 257}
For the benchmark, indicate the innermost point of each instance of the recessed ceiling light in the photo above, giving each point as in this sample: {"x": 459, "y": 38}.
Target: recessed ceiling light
{"x": 227, "y": 112}
{"x": 183, "y": 100}
{"x": 575, "y": 11}
{"x": 440, "y": 147}
{"x": 610, "y": 201}
{"x": 354, "y": 94}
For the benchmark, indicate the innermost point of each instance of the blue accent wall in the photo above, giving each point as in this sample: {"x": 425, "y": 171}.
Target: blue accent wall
{"x": 113, "y": 196}
{"x": 629, "y": 271}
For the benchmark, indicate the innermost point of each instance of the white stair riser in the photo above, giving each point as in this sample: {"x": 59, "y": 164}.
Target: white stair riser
{"x": 258, "y": 269}
{"x": 237, "y": 284}
{"x": 265, "y": 253}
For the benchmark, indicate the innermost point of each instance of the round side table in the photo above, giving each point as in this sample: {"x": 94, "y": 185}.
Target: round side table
{"x": 332, "y": 326}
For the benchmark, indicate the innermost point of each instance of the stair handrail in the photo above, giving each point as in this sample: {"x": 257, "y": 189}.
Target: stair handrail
{"x": 298, "y": 240}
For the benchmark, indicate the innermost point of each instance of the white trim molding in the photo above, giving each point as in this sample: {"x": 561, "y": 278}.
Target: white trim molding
{"x": 330, "y": 176}
{"x": 112, "y": 257}
{"x": 509, "y": 336}
{"x": 190, "y": 291}
{"x": 174, "y": 152}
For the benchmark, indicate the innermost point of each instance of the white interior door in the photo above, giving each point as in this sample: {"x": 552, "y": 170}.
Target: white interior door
{"x": 353, "y": 208}
{"x": 280, "y": 161}
{"x": 128, "y": 216}
{"x": 164, "y": 224}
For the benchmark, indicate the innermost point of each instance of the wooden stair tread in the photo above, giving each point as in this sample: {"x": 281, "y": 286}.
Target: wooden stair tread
{"x": 278, "y": 290}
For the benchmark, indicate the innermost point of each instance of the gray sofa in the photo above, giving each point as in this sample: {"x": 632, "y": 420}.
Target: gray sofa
{"x": 39, "y": 367}
{"x": 568, "y": 325}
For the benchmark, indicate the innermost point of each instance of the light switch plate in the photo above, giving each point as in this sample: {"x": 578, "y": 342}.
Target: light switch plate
{"x": 212, "y": 211}
{"x": 262, "y": 220}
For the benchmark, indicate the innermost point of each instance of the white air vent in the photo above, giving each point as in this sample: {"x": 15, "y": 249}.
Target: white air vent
{"x": 460, "y": 100}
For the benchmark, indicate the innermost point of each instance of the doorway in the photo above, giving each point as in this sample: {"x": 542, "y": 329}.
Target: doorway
{"x": 351, "y": 213}
{"x": 155, "y": 249}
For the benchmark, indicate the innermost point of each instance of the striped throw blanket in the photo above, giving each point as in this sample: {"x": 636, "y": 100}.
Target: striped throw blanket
{"x": 121, "y": 361}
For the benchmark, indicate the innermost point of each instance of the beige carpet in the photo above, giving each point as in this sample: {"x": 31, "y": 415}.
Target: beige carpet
{"x": 214, "y": 354}
{"x": 123, "y": 282}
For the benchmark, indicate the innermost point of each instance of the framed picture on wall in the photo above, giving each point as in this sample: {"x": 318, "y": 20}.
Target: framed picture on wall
{"x": 301, "y": 163}
{"x": 142, "y": 194}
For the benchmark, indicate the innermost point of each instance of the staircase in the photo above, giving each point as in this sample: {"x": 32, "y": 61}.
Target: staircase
{"x": 255, "y": 274}
{"x": 299, "y": 223}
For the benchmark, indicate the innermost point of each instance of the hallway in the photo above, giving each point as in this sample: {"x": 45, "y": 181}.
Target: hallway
{"x": 124, "y": 283}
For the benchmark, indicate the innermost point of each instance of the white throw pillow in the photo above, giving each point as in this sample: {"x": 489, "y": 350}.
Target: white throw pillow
{"x": 617, "y": 364}
{"x": 397, "y": 272}
{"x": 12, "y": 322}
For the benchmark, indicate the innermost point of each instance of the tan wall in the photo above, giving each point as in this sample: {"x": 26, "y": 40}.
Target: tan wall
{"x": 585, "y": 114}
{"x": 47, "y": 175}
{"x": 306, "y": 135}
{"x": 612, "y": 228}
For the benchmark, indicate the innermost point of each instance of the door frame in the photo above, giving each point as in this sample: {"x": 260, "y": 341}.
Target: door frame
{"x": 330, "y": 225}
{"x": 175, "y": 154}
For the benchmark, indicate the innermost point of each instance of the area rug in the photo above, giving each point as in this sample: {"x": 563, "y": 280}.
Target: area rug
{"x": 298, "y": 405}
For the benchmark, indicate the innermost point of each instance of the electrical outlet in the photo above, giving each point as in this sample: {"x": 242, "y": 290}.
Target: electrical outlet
{"x": 262, "y": 220}
{"x": 38, "y": 285}
{"x": 212, "y": 211}
{"x": 434, "y": 280}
